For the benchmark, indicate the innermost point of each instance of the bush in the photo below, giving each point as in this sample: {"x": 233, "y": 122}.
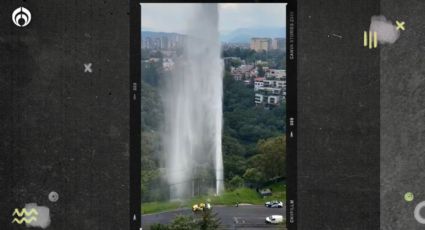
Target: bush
{"x": 236, "y": 182}
{"x": 254, "y": 176}
{"x": 209, "y": 221}
{"x": 183, "y": 223}
{"x": 159, "y": 227}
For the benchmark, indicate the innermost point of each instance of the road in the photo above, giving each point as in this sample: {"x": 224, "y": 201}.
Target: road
{"x": 246, "y": 217}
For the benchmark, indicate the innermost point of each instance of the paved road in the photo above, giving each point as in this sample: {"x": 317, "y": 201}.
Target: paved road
{"x": 246, "y": 217}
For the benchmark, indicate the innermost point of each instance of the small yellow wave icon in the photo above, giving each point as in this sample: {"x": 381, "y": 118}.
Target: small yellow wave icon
{"x": 25, "y": 212}
{"x": 32, "y": 213}
{"x": 24, "y": 220}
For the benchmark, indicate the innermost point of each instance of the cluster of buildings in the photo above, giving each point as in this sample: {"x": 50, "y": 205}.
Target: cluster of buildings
{"x": 235, "y": 45}
{"x": 167, "y": 63}
{"x": 167, "y": 41}
{"x": 270, "y": 90}
{"x": 260, "y": 44}
{"x": 244, "y": 73}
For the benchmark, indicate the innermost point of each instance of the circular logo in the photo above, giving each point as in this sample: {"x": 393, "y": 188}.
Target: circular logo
{"x": 21, "y": 17}
{"x": 53, "y": 196}
{"x": 417, "y": 212}
{"x": 408, "y": 196}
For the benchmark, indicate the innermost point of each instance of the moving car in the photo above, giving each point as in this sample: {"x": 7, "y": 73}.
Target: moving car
{"x": 274, "y": 204}
{"x": 201, "y": 207}
{"x": 274, "y": 219}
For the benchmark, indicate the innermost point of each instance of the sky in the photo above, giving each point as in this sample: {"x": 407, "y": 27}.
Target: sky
{"x": 173, "y": 17}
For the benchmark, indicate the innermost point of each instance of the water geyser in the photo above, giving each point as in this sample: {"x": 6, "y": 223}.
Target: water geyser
{"x": 193, "y": 110}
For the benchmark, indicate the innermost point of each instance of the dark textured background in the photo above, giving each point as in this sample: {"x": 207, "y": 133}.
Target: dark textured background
{"x": 338, "y": 117}
{"x": 403, "y": 116}
{"x": 62, "y": 129}
{"x": 67, "y": 131}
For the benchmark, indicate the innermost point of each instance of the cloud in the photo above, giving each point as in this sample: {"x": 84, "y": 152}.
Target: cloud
{"x": 174, "y": 17}
{"x": 253, "y": 15}
{"x": 166, "y": 17}
{"x": 229, "y": 6}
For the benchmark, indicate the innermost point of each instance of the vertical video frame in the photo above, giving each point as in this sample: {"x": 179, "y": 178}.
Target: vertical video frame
{"x": 213, "y": 115}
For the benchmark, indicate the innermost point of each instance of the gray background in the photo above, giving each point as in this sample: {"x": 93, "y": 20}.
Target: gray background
{"x": 338, "y": 117}
{"x": 62, "y": 129}
{"x": 358, "y": 107}
{"x": 403, "y": 116}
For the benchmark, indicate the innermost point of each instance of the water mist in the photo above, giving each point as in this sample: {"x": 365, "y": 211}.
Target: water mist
{"x": 193, "y": 110}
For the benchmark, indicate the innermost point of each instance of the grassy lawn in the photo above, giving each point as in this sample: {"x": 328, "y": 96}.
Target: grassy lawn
{"x": 154, "y": 207}
{"x": 241, "y": 195}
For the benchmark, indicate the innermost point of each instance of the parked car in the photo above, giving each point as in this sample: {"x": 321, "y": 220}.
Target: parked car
{"x": 265, "y": 192}
{"x": 274, "y": 204}
{"x": 274, "y": 219}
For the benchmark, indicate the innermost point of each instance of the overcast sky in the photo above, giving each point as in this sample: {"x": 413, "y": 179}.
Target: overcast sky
{"x": 173, "y": 17}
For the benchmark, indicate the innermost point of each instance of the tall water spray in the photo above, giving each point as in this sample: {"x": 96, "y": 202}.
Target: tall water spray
{"x": 193, "y": 110}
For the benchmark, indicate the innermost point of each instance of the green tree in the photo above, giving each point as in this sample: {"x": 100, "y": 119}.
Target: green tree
{"x": 274, "y": 155}
{"x": 236, "y": 182}
{"x": 261, "y": 71}
{"x": 152, "y": 109}
{"x": 157, "y": 54}
{"x": 209, "y": 220}
{"x": 254, "y": 176}
{"x": 245, "y": 124}
{"x": 152, "y": 72}
{"x": 145, "y": 54}
{"x": 183, "y": 223}
{"x": 255, "y": 161}
{"x": 234, "y": 165}
{"x": 231, "y": 146}
{"x": 235, "y": 62}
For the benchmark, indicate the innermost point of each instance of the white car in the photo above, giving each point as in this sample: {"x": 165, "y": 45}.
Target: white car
{"x": 274, "y": 204}
{"x": 274, "y": 219}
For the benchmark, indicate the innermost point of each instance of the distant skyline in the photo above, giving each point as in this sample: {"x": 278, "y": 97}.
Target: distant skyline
{"x": 173, "y": 17}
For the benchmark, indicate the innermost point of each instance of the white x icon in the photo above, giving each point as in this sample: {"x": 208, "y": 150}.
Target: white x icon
{"x": 87, "y": 68}
{"x": 400, "y": 25}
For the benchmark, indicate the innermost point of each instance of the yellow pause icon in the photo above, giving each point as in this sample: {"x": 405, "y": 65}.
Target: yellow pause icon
{"x": 370, "y": 39}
